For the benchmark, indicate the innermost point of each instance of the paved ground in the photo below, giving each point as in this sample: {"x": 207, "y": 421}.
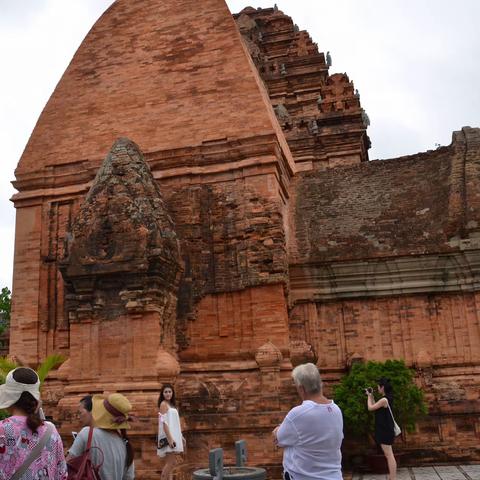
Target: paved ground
{"x": 451, "y": 472}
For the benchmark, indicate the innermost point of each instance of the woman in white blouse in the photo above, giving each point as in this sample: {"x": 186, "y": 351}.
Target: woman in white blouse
{"x": 170, "y": 441}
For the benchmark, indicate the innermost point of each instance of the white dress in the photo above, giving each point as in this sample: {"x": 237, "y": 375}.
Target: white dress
{"x": 172, "y": 419}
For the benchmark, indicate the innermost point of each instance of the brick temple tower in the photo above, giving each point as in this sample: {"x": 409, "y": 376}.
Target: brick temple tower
{"x": 196, "y": 205}
{"x": 139, "y": 272}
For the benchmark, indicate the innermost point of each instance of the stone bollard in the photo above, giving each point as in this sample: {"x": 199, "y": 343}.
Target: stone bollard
{"x": 240, "y": 453}
{"x": 217, "y": 471}
{"x": 215, "y": 463}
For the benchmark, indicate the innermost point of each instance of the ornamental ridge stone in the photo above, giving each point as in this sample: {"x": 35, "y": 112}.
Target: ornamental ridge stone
{"x": 167, "y": 366}
{"x": 123, "y": 224}
{"x": 268, "y": 355}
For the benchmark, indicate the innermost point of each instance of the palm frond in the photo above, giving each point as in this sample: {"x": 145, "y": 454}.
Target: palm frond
{"x": 51, "y": 362}
{"x": 5, "y": 366}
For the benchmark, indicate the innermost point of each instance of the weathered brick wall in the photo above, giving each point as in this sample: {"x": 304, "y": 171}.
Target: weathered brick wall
{"x": 232, "y": 239}
{"x": 441, "y": 328}
{"x": 233, "y": 325}
{"x": 4, "y": 343}
{"x": 373, "y": 275}
{"x": 221, "y": 407}
{"x": 469, "y": 145}
{"x": 439, "y": 335}
{"x": 393, "y": 207}
{"x": 233, "y": 300}
{"x": 26, "y": 296}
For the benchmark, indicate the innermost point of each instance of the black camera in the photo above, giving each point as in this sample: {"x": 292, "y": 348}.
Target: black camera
{"x": 369, "y": 390}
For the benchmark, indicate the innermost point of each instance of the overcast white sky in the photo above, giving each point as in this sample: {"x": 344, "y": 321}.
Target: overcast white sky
{"x": 415, "y": 63}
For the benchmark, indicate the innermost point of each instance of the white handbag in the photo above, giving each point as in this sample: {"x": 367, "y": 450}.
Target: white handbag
{"x": 396, "y": 429}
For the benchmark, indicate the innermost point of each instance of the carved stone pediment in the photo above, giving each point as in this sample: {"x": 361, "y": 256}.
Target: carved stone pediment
{"x": 123, "y": 251}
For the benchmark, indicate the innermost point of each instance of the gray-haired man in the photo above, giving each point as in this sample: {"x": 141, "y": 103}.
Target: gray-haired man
{"x": 311, "y": 433}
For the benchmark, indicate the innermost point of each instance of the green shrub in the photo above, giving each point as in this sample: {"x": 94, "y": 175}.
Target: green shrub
{"x": 5, "y": 307}
{"x": 350, "y": 396}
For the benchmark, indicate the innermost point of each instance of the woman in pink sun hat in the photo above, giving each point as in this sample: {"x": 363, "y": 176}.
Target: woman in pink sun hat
{"x": 30, "y": 447}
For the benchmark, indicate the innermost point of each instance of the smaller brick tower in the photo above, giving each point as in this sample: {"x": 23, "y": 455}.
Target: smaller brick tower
{"x": 121, "y": 274}
{"x": 320, "y": 114}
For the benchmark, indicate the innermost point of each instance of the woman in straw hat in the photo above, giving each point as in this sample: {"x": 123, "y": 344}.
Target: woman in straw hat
{"x": 29, "y": 446}
{"x": 170, "y": 441}
{"x": 110, "y": 416}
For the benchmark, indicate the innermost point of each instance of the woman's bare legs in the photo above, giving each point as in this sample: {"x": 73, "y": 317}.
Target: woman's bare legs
{"x": 392, "y": 463}
{"x": 170, "y": 462}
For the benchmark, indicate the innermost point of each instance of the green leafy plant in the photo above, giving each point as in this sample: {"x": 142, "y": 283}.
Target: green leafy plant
{"x": 43, "y": 369}
{"x": 5, "y": 366}
{"x": 5, "y": 307}
{"x": 349, "y": 394}
{"x": 50, "y": 363}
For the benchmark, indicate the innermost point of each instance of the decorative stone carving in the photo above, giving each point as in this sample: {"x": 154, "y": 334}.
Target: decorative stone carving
{"x": 123, "y": 255}
{"x": 277, "y": 41}
{"x": 353, "y": 359}
{"x": 338, "y": 94}
{"x": 365, "y": 118}
{"x": 245, "y": 23}
{"x": 269, "y": 358}
{"x": 302, "y": 352}
{"x": 328, "y": 59}
{"x": 424, "y": 359}
{"x": 282, "y": 114}
{"x": 167, "y": 366}
{"x": 121, "y": 275}
{"x": 268, "y": 355}
{"x": 313, "y": 127}
{"x": 64, "y": 370}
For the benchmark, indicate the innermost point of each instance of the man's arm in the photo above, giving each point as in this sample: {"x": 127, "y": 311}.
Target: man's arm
{"x": 286, "y": 434}
{"x": 79, "y": 444}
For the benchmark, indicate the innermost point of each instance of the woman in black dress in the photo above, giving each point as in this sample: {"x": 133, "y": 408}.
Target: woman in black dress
{"x": 384, "y": 434}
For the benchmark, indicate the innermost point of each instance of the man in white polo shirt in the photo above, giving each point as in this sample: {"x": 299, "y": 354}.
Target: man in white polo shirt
{"x": 311, "y": 433}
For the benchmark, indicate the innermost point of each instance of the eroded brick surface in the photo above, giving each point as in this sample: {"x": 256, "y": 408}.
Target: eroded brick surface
{"x": 381, "y": 208}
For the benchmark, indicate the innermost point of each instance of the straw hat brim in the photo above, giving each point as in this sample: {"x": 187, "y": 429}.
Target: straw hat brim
{"x": 102, "y": 418}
